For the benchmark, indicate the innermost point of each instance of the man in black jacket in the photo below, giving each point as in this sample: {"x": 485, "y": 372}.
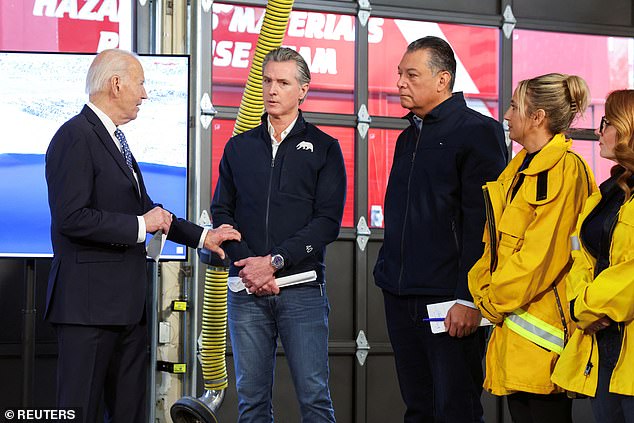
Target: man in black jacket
{"x": 434, "y": 217}
{"x": 282, "y": 185}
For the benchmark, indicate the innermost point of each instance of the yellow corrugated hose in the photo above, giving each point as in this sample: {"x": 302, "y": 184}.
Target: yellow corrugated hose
{"x": 271, "y": 36}
{"x": 214, "y": 328}
{"x": 214, "y": 320}
{"x": 214, "y": 317}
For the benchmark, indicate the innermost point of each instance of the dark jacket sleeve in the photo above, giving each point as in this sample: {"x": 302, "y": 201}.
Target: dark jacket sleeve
{"x": 483, "y": 160}
{"x": 223, "y": 208}
{"x": 327, "y": 211}
{"x": 181, "y": 231}
{"x": 184, "y": 232}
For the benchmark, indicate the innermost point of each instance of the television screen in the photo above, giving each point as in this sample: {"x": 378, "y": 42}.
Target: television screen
{"x": 41, "y": 91}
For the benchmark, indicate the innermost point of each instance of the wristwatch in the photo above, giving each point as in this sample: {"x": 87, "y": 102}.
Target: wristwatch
{"x": 277, "y": 261}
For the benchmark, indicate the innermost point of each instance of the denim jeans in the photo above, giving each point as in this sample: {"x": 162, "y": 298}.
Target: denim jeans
{"x": 299, "y": 317}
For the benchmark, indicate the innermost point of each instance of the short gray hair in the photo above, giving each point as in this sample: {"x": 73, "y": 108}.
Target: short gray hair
{"x": 285, "y": 54}
{"x": 105, "y": 65}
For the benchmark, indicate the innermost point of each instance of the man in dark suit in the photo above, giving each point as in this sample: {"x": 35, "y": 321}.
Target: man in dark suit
{"x": 100, "y": 214}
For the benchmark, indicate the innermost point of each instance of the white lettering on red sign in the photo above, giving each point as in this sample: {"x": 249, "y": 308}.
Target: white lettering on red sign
{"x": 51, "y": 9}
{"x": 228, "y": 53}
{"x": 107, "y": 39}
{"x": 305, "y": 25}
{"x": 243, "y": 20}
{"x": 375, "y": 30}
{"x": 320, "y": 26}
{"x": 323, "y": 61}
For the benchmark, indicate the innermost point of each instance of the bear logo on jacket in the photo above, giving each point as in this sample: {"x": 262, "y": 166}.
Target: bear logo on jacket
{"x": 305, "y": 145}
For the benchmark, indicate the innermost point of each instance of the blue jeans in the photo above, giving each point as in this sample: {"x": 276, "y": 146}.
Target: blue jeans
{"x": 299, "y": 316}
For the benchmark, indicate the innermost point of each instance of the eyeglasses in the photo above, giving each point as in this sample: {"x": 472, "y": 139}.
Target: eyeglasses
{"x": 604, "y": 124}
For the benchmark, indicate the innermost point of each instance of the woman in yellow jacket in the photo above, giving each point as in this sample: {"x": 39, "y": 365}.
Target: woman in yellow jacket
{"x": 599, "y": 359}
{"x": 518, "y": 283}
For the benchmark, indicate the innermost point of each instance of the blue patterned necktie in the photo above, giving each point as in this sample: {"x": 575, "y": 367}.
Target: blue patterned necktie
{"x": 127, "y": 154}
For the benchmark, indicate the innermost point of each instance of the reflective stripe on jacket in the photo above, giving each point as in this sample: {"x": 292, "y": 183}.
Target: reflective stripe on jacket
{"x": 535, "y": 330}
{"x": 610, "y": 294}
{"x": 527, "y": 253}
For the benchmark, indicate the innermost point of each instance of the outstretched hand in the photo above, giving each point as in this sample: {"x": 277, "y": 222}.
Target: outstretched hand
{"x": 218, "y": 235}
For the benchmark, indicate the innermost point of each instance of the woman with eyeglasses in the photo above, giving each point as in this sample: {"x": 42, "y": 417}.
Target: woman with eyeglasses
{"x": 518, "y": 284}
{"x": 599, "y": 359}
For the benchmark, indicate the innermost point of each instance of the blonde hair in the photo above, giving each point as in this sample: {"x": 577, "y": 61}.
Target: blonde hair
{"x": 619, "y": 111}
{"x": 561, "y": 97}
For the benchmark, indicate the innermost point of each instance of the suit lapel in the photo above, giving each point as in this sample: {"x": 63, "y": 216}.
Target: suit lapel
{"x": 138, "y": 174}
{"x": 109, "y": 144}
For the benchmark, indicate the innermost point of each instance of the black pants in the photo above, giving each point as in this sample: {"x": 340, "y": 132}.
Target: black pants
{"x": 440, "y": 376}
{"x": 108, "y": 362}
{"x": 607, "y": 406}
{"x": 534, "y": 408}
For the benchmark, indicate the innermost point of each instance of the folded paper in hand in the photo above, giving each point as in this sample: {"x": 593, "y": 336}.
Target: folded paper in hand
{"x": 155, "y": 246}
{"x": 236, "y": 285}
{"x": 439, "y": 310}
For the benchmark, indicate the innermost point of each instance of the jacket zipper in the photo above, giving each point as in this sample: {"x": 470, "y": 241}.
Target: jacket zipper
{"x": 492, "y": 234}
{"x": 455, "y": 234}
{"x": 268, "y": 203}
{"x": 268, "y": 197}
{"x": 616, "y": 219}
{"x": 492, "y": 229}
{"x": 409, "y": 183}
{"x": 589, "y": 364}
{"x": 561, "y": 314}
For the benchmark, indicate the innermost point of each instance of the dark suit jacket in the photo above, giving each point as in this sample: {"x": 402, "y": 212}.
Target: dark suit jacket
{"x": 98, "y": 275}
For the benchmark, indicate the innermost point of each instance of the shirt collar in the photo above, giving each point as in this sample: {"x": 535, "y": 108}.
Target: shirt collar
{"x": 418, "y": 122}
{"x": 445, "y": 108}
{"x": 284, "y": 133}
{"x": 107, "y": 122}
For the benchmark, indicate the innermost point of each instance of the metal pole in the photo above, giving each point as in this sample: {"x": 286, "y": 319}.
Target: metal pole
{"x": 28, "y": 334}
{"x": 153, "y": 324}
{"x": 199, "y": 174}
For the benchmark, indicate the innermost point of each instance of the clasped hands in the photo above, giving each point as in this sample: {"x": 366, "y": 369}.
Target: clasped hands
{"x": 258, "y": 275}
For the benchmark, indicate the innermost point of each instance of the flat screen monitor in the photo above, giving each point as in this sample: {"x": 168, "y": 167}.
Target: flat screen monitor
{"x": 41, "y": 91}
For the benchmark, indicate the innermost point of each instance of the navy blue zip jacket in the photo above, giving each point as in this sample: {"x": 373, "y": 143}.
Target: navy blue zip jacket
{"x": 434, "y": 206}
{"x": 291, "y": 205}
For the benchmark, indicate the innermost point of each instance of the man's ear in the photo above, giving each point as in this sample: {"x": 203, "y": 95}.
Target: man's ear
{"x": 303, "y": 92}
{"x": 115, "y": 85}
{"x": 444, "y": 81}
